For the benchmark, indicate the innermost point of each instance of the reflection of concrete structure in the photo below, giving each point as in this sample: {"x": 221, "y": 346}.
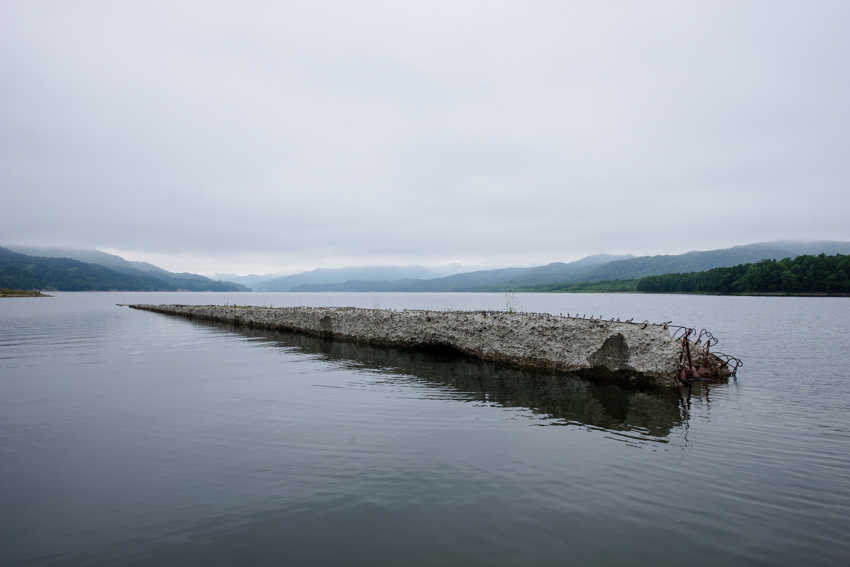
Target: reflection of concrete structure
{"x": 624, "y": 352}
{"x": 447, "y": 374}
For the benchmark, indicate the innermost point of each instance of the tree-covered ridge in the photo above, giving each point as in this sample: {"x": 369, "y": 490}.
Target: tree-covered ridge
{"x": 559, "y": 276}
{"x": 63, "y": 274}
{"x": 609, "y": 286}
{"x": 803, "y": 274}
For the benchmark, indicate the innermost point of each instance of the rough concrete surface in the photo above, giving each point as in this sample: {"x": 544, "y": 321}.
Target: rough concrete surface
{"x": 624, "y": 352}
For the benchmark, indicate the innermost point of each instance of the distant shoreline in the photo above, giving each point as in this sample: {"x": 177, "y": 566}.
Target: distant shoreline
{"x": 21, "y": 293}
{"x": 36, "y": 293}
{"x": 755, "y": 294}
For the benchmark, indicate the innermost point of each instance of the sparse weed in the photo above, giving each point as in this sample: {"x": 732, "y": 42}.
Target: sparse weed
{"x": 510, "y": 302}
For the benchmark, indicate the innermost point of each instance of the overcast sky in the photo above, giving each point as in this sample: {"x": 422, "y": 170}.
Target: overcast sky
{"x": 258, "y": 137}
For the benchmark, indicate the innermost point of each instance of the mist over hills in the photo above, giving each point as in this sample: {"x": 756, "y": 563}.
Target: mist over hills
{"x": 340, "y": 275}
{"x": 454, "y": 275}
{"x": 79, "y": 269}
{"x": 88, "y": 256}
{"x": 250, "y": 280}
{"x": 702, "y": 261}
{"x": 283, "y": 281}
{"x": 593, "y": 268}
{"x": 102, "y": 272}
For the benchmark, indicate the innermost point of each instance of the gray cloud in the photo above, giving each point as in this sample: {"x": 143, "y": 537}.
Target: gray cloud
{"x": 240, "y": 136}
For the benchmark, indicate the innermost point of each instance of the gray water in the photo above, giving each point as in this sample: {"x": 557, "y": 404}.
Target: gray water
{"x": 135, "y": 438}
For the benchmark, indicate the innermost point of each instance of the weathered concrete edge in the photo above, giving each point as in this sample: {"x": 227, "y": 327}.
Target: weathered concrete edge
{"x": 663, "y": 374}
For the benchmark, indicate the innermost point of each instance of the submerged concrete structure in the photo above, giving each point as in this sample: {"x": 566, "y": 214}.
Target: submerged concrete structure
{"x": 636, "y": 353}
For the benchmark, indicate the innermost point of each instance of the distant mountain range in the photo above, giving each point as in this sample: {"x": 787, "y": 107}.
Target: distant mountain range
{"x": 341, "y": 275}
{"x": 75, "y": 269}
{"x": 249, "y": 280}
{"x": 591, "y": 269}
{"x": 287, "y": 281}
{"x": 90, "y": 257}
{"x": 92, "y": 270}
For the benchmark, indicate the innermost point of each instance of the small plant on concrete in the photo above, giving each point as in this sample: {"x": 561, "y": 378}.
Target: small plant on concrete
{"x": 510, "y": 302}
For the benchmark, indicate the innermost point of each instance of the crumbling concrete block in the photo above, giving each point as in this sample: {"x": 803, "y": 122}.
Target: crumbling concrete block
{"x": 643, "y": 354}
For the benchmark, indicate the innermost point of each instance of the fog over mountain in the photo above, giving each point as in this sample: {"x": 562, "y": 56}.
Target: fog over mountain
{"x": 601, "y": 267}
{"x": 90, "y": 256}
{"x": 65, "y": 269}
{"x": 332, "y": 275}
{"x": 267, "y": 138}
{"x": 324, "y": 275}
{"x": 55, "y": 265}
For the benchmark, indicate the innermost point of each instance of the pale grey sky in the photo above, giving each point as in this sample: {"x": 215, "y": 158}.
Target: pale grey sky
{"x": 265, "y": 136}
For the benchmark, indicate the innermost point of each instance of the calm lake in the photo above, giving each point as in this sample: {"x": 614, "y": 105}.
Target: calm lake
{"x": 135, "y": 438}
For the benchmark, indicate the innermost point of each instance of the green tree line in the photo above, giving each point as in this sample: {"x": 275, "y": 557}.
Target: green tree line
{"x": 803, "y": 274}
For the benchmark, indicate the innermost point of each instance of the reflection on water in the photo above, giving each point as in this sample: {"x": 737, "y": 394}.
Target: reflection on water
{"x": 445, "y": 373}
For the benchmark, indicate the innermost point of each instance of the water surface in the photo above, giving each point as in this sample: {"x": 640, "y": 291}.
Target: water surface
{"x": 137, "y": 438}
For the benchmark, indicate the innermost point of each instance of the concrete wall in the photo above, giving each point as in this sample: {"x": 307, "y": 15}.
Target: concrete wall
{"x": 627, "y": 352}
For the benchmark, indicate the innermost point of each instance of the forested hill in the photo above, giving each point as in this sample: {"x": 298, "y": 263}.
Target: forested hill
{"x": 701, "y": 261}
{"x": 549, "y": 277}
{"x": 698, "y": 261}
{"x": 21, "y": 271}
{"x": 803, "y": 274}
